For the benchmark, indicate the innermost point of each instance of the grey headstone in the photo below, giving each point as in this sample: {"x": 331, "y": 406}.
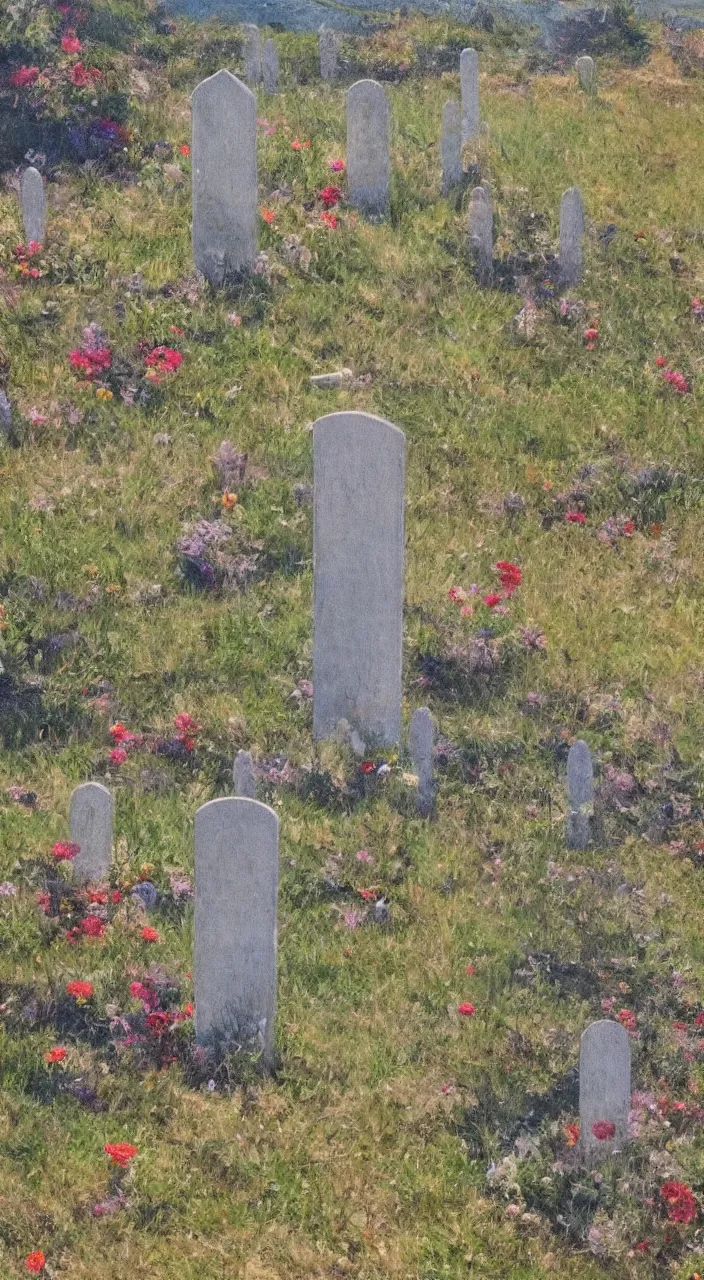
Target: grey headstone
{"x": 328, "y": 55}
{"x": 270, "y": 67}
{"x": 224, "y": 159}
{"x": 237, "y": 869}
{"x": 33, "y": 201}
{"x": 469, "y": 85}
{"x": 90, "y": 819}
{"x": 451, "y": 145}
{"x": 358, "y": 558}
{"x": 368, "y": 141}
{"x": 580, "y": 795}
{"x": 604, "y": 1087}
{"x": 243, "y": 776}
{"x": 571, "y": 232}
{"x": 252, "y": 55}
{"x": 420, "y": 743}
{"x": 5, "y": 415}
{"x": 481, "y": 233}
{"x": 584, "y": 67}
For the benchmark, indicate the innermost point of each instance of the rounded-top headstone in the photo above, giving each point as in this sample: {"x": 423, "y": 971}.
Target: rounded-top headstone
{"x": 604, "y": 1089}
{"x": 91, "y": 820}
{"x": 33, "y": 202}
{"x": 451, "y": 145}
{"x": 224, "y": 163}
{"x": 571, "y": 232}
{"x": 368, "y": 143}
{"x": 469, "y": 85}
{"x": 584, "y": 67}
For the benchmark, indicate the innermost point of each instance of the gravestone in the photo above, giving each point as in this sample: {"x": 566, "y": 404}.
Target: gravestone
{"x": 224, "y": 161}
{"x": 580, "y": 794}
{"x": 33, "y": 202}
{"x": 236, "y": 884}
{"x": 604, "y": 1089}
{"x": 469, "y": 86}
{"x": 451, "y": 145}
{"x": 368, "y": 141}
{"x": 252, "y": 55}
{"x": 90, "y": 819}
{"x": 420, "y": 743}
{"x": 328, "y": 55}
{"x": 584, "y": 67}
{"x": 270, "y": 67}
{"x": 243, "y": 776}
{"x": 358, "y": 557}
{"x": 571, "y": 232}
{"x": 481, "y": 233}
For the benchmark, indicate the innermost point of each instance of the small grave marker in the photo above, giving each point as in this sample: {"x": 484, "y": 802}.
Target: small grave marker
{"x": 368, "y": 155}
{"x": 33, "y": 202}
{"x": 584, "y": 67}
{"x": 243, "y": 776}
{"x": 469, "y": 85}
{"x": 270, "y": 67}
{"x": 420, "y": 743}
{"x": 328, "y": 47}
{"x": 451, "y": 145}
{"x": 580, "y": 793}
{"x": 604, "y": 1089}
{"x": 481, "y": 233}
{"x": 90, "y": 819}
{"x": 571, "y": 232}
{"x": 224, "y": 160}
{"x": 252, "y": 55}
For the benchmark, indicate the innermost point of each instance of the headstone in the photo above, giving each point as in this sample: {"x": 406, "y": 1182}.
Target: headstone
{"x": 33, "y": 201}
{"x": 328, "y": 55}
{"x": 252, "y": 55}
{"x": 224, "y": 160}
{"x": 358, "y": 558}
{"x": 90, "y": 819}
{"x": 571, "y": 232}
{"x": 236, "y": 874}
{"x": 481, "y": 233}
{"x": 243, "y": 776}
{"x": 270, "y": 67}
{"x": 420, "y": 743}
{"x": 580, "y": 794}
{"x": 368, "y": 141}
{"x": 584, "y": 67}
{"x": 469, "y": 85}
{"x": 604, "y": 1089}
{"x": 5, "y": 416}
{"x": 451, "y": 145}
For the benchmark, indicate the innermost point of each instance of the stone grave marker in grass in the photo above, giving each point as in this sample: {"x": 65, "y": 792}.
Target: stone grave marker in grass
{"x": 243, "y": 776}
{"x": 604, "y": 1089}
{"x": 580, "y": 795}
{"x": 91, "y": 821}
{"x": 480, "y": 225}
{"x": 224, "y": 161}
{"x": 368, "y": 142}
{"x": 420, "y": 744}
{"x": 451, "y": 146}
{"x": 252, "y": 55}
{"x": 33, "y": 203}
{"x": 571, "y": 232}
{"x": 328, "y": 49}
{"x": 584, "y": 67}
{"x": 270, "y": 67}
{"x": 469, "y": 86}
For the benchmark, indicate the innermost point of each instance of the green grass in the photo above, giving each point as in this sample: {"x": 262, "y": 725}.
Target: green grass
{"x": 353, "y": 1161}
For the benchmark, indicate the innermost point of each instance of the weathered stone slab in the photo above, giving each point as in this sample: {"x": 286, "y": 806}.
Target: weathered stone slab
{"x": 420, "y": 744}
{"x": 270, "y": 67}
{"x": 91, "y": 819}
{"x": 329, "y": 51}
{"x": 571, "y": 232}
{"x": 33, "y": 202}
{"x": 368, "y": 142}
{"x": 480, "y": 225}
{"x": 584, "y": 67}
{"x": 236, "y": 874}
{"x": 330, "y": 381}
{"x": 580, "y": 795}
{"x": 243, "y": 776}
{"x": 252, "y": 55}
{"x": 224, "y": 160}
{"x": 451, "y": 145}
{"x": 469, "y": 86}
{"x": 604, "y": 1089}
{"x": 358, "y": 558}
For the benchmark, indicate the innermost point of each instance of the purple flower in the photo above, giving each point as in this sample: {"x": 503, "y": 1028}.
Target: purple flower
{"x": 7, "y": 889}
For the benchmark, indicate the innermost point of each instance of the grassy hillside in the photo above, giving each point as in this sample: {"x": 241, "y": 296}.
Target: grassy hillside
{"x": 386, "y": 1144}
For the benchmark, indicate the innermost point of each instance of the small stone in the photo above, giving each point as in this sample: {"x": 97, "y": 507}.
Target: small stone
{"x": 145, "y": 894}
{"x": 481, "y": 234}
{"x": 469, "y": 83}
{"x": 571, "y": 233}
{"x": 584, "y": 67}
{"x": 33, "y": 201}
{"x": 328, "y": 48}
{"x": 451, "y": 145}
{"x": 580, "y": 790}
{"x": 420, "y": 743}
{"x": 270, "y": 67}
{"x": 329, "y": 381}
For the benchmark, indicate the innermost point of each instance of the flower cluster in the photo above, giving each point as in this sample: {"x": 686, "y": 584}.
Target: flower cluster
{"x": 93, "y": 357}
{"x": 25, "y": 260}
{"x": 680, "y": 1204}
{"x": 160, "y": 361}
{"x": 674, "y": 377}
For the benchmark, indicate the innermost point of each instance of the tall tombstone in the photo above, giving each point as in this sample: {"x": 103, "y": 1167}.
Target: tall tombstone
{"x": 358, "y": 558}
{"x": 252, "y": 55}
{"x": 480, "y": 226}
{"x": 91, "y": 819}
{"x": 469, "y": 86}
{"x": 420, "y": 743}
{"x": 580, "y": 795}
{"x": 270, "y": 67}
{"x": 243, "y": 776}
{"x": 328, "y": 48}
{"x": 571, "y": 232}
{"x": 604, "y": 1090}
{"x": 224, "y": 161}
{"x": 451, "y": 145}
{"x": 236, "y": 882}
{"x": 33, "y": 202}
{"x": 368, "y": 143}
{"x": 584, "y": 67}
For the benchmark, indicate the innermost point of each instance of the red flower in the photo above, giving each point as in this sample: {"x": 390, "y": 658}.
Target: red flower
{"x": 642, "y": 1247}
{"x": 158, "y": 1022}
{"x": 466, "y": 1010}
{"x": 268, "y": 215}
{"x": 85, "y": 77}
{"x": 492, "y": 600}
{"x": 510, "y": 575}
{"x": 660, "y": 362}
{"x": 70, "y": 43}
{"x": 677, "y": 381}
{"x": 367, "y": 766}
{"x": 90, "y": 362}
{"x": 65, "y": 850}
{"x": 116, "y": 895}
{"x": 457, "y": 595}
{"x": 591, "y": 337}
{"x": 117, "y": 756}
{"x": 603, "y": 1130}
{"x": 679, "y": 1202}
{"x": 369, "y": 895}
{"x": 92, "y": 927}
{"x": 337, "y": 166}
{"x": 185, "y": 149}
{"x": 571, "y": 1132}
{"x": 330, "y": 196}
{"x": 24, "y": 79}
{"x": 575, "y": 517}
{"x": 55, "y": 1055}
{"x": 35, "y": 1261}
{"x": 627, "y": 1019}
{"x": 148, "y": 996}
{"x": 299, "y": 146}
{"x": 120, "y": 1153}
{"x": 188, "y": 1010}
{"x": 186, "y": 724}
{"x": 81, "y": 990}
{"x": 119, "y": 733}
{"x": 149, "y": 934}
{"x": 163, "y": 359}
{"x": 699, "y": 1020}
{"x": 329, "y": 220}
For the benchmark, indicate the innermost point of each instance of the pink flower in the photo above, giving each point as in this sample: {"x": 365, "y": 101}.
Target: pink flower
{"x": 466, "y": 1010}
{"x": 363, "y": 856}
{"x": 329, "y": 220}
{"x": 603, "y": 1130}
{"x": 337, "y": 166}
{"x": 24, "y": 78}
{"x": 575, "y": 517}
{"x": 677, "y": 381}
{"x": 117, "y": 756}
{"x": 65, "y": 850}
{"x": 70, "y": 43}
{"x": 492, "y": 600}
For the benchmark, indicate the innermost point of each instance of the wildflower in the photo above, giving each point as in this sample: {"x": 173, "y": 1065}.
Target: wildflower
{"x": 90, "y": 361}
{"x": 70, "y": 42}
{"x": 229, "y": 500}
{"x": 591, "y": 337}
{"x": 575, "y": 517}
{"x": 627, "y": 1019}
{"x": 158, "y": 1022}
{"x": 363, "y": 856}
{"x": 234, "y": 319}
{"x": 187, "y": 730}
{"x": 571, "y": 1132}
{"x": 7, "y": 889}
{"x": 81, "y": 990}
{"x": 337, "y": 166}
{"x": 92, "y": 927}
{"x": 296, "y": 145}
{"x": 35, "y": 1261}
{"x": 679, "y": 1202}
{"x": 697, "y": 306}
{"x": 457, "y": 595}
{"x": 642, "y": 1247}
{"x": 24, "y": 79}
{"x": 492, "y": 600}
{"x": 117, "y": 756}
{"x": 367, "y": 766}
{"x": 603, "y": 1130}
{"x": 163, "y": 360}
{"x": 103, "y": 393}
{"x": 184, "y": 149}
{"x": 660, "y": 362}
{"x": 119, "y": 733}
{"x": 329, "y": 220}
{"x": 466, "y": 1010}
{"x": 65, "y": 850}
{"x": 188, "y": 1010}
{"x": 369, "y": 895}
{"x": 149, "y": 934}
{"x": 268, "y": 215}
{"x": 677, "y": 381}
{"x": 55, "y": 1055}
{"x": 120, "y": 1153}
{"x": 510, "y": 575}
{"x": 330, "y": 196}
{"x": 85, "y": 77}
